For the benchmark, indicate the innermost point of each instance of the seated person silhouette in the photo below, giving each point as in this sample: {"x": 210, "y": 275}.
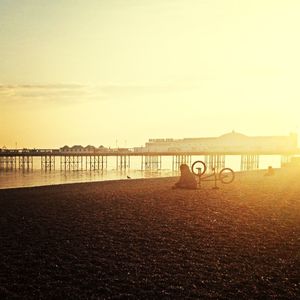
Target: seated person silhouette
{"x": 270, "y": 171}
{"x": 187, "y": 179}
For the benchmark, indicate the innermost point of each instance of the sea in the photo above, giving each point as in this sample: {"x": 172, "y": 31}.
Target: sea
{"x": 38, "y": 177}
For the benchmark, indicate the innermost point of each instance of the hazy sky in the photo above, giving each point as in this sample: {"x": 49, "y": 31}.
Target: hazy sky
{"x": 93, "y": 72}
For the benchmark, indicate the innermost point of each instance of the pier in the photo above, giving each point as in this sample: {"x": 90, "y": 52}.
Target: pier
{"x": 20, "y": 159}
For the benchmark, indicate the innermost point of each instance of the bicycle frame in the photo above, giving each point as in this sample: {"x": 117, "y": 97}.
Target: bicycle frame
{"x": 205, "y": 178}
{"x": 222, "y": 175}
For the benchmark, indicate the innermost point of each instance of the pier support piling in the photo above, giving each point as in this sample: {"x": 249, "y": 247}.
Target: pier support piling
{"x": 151, "y": 162}
{"x": 285, "y": 160}
{"x": 25, "y": 163}
{"x": 249, "y": 162}
{"x": 215, "y": 161}
{"x": 48, "y": 162}
{"x": 123, "y": 162}
{"x": 178, "y": 160}
{"x": 8, "y": 163}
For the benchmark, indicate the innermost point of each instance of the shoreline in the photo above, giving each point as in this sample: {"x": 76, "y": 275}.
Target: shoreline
{"x": 237, "y": 173}
{"x": 85, "y": 182}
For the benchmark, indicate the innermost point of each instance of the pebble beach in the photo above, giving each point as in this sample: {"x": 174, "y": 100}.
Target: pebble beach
{"x": 139, "y": 239}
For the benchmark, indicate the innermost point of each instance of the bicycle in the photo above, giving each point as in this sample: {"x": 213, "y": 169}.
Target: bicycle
{"x": 226, "y": 175}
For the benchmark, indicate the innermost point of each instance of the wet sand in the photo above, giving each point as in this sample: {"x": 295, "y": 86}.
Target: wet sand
{"x": 141, "y": 239}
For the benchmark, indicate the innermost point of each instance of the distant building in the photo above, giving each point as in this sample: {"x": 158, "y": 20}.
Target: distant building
{"x": 228, "y": 142}
{"x": 75, "y": 148}
{"x": 103, "y": 149}
{"x": 79, "y": 148}
{"x": 65, "y": 149}
{"x": 89, "y": 148}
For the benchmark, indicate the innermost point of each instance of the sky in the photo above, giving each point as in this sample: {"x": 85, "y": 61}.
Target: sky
{"x": 116, "y": 73}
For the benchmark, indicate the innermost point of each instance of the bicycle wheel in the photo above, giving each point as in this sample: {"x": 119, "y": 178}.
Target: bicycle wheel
{"x": 226, "y": 175}
{"x": 198, "y": 167}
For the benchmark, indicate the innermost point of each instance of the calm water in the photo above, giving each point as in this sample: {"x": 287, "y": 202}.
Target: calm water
{"x": 37, "y": 177}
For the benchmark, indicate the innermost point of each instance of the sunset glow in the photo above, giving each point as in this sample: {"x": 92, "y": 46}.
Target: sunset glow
{"x": 149, "y": 149}
{"x": 120, "y": 72}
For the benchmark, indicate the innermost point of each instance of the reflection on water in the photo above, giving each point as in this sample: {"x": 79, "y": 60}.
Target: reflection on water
{"x": 37, "y": 177}
{"x": 9, "y": 179}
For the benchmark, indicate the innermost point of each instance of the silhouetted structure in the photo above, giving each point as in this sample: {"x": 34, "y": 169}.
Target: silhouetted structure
{"x": 232, "y": 141}
{"x": 78, "y": 157}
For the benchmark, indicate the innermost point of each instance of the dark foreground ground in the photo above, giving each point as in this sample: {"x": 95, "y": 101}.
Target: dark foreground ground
{"x": 140, "y": 239}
